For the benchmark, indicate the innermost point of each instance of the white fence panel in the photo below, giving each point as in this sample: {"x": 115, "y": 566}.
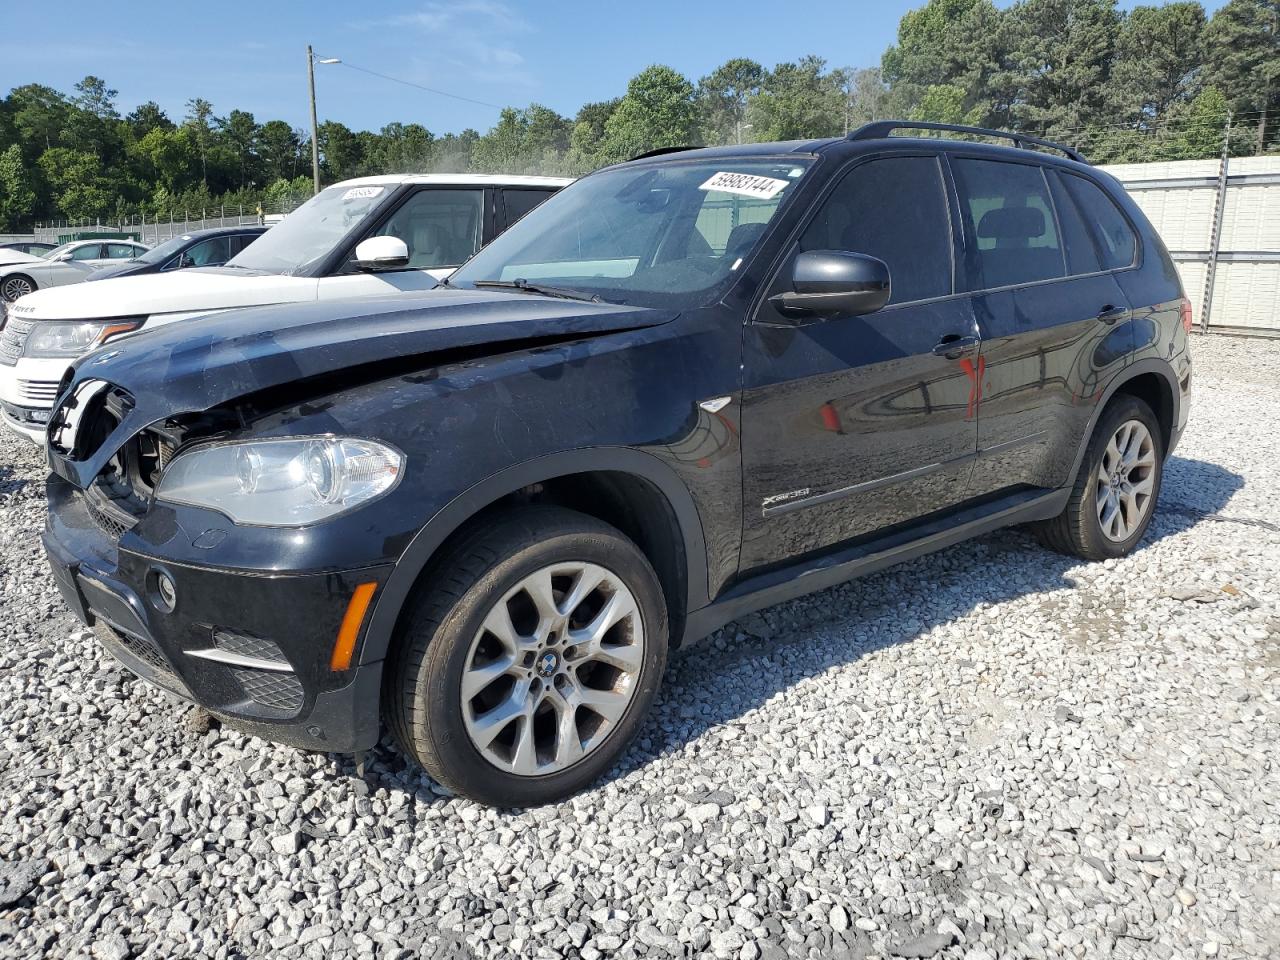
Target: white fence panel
{"x": 1181, "y": 199}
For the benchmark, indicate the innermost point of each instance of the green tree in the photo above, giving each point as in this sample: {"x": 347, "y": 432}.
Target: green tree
{"x": 942, "y": 103}
{"x": 75, "y": 178}
{"x": 1242, "y": 43}
{"x": 403, "y": 148}
{"x": 341, "y": 154}
{"x": 1157, "y": 56}
{"x": 169, "y": 157}
{"x": 657, "y": 111}
{"x": 863, "y": 95}
{"x": 39, "y": 117}
{"x": 17, "y": 193}
{"x": 147, "y": 117}
{"x": 961, "y": 43}
{"x": 1063, "y": 52}
{"x": 797, "y": 101}
{"x": 239, "y": 131}
{"x": 280, "y": 150}
{"x": 90, "y": 121}
{"x": 198, "y": 121}
{"x": 586, "y": 142}
{"x": 723, "y": 96}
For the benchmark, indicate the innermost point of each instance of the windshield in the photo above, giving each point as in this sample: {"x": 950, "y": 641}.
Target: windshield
{"x": 654, "y": 235}
{"x": 164, "y": 251}
{"x": 59, "y": 251}
{"x": 312, "y": 230}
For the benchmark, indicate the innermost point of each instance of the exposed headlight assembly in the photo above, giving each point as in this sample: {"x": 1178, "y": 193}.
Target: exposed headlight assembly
{"x": 59, "y": 338}
{"x": 283, "y": 483}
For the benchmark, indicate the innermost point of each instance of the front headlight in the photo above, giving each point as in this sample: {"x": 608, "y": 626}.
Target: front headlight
{"x": 282, "y": 483}
{"x": 73, "y": 338}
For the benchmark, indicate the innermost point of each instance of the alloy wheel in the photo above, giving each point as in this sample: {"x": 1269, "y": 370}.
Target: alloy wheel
{"x": 1126, "y": 480}
{"x": 554, "y": 667}
{"x": 15, "y": 287}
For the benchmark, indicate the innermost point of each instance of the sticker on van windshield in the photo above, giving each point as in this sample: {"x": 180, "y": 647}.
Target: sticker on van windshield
{"x": 749, "y": 185}
{"x": 362, "y": 193}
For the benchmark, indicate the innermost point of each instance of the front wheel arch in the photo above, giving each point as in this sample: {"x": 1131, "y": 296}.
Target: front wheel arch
{"x": 451, "y": 520}
{"x": 4, "y": 285}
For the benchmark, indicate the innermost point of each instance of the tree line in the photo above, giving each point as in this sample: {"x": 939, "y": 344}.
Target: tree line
{"x": 1153, "y": 83}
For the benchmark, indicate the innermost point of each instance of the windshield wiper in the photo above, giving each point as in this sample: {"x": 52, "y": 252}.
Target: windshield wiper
{"x": 546, "y": 290}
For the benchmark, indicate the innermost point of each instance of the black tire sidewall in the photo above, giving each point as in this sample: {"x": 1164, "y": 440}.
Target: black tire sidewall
{"x": 1130, "y": 408}
{"x": 439, "y": 681}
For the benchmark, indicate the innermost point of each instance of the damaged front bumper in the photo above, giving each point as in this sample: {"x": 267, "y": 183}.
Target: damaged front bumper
{"x": 255, "y": 647}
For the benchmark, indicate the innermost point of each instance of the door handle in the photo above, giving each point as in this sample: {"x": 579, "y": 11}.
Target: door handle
{"x": 954, "y": 346}
{"x": 1110, "y": 314}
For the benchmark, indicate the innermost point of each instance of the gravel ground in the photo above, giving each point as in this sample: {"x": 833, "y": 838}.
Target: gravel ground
{"x": 990, "y": 752}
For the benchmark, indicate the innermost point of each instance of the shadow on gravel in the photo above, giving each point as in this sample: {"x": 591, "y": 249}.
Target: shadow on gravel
{"x": 696, "y": 698}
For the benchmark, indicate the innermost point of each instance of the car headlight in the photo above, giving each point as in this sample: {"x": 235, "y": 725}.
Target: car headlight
{"x": 72, "y": 338}
{"x": 282, "y": 483}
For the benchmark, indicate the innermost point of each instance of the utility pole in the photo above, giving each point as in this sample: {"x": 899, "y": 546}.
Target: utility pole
{"x": 1215, "y": 228}
{"x": 315, "y": 126}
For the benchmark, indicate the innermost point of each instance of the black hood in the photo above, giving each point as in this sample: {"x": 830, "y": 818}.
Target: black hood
{"x": 193, "y": 365}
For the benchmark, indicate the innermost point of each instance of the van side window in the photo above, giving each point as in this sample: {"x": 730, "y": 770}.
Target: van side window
{"x": 1119, "y": 245}
{"x": 894, "y": 209}
{"x": 1082, "y": 252}
{"x": 1010, "y": 235}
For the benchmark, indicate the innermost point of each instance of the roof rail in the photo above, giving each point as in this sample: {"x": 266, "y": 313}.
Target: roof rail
{"x": 659, "y": 152}
{"x": 883, "y": 128}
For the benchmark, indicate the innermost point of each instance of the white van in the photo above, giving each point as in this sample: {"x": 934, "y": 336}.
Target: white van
{"x": 368, "y": 237}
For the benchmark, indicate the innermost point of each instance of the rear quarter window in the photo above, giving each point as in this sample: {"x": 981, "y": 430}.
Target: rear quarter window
{"x": 1118, "y": 246}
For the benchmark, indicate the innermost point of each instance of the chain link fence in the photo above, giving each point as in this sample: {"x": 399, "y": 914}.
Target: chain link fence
{"x": 152, "y": 231}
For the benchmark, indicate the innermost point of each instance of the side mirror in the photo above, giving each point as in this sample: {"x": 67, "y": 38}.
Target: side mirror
{"x": 828, "y": 282}
{"x": 381, "y": 253}
{"x": 62, "y": 258}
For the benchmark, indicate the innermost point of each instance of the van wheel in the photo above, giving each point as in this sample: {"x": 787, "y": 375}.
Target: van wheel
{"x": 1115, "y": 493}
{"x": 15, "y": 286}
{"x": 530, "y": 659}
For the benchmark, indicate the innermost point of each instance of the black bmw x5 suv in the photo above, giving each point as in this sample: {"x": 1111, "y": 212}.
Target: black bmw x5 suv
{"x": 684, "y": 388}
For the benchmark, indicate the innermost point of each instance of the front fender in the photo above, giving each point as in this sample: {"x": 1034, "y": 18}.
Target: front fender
{"x": 447, "y": 520}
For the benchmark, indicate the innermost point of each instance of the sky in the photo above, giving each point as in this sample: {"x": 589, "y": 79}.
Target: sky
{"x": 561, "y": 53}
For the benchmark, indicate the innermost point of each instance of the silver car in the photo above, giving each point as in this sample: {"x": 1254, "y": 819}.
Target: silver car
{"x": 69, "y": 263}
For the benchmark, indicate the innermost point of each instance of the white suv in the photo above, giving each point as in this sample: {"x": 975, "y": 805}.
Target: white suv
{"x": 362, "y": 238}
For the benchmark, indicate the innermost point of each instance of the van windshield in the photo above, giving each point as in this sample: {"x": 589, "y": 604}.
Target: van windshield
{"x": 668, "y": 234}
{"x": 312, "y": 230}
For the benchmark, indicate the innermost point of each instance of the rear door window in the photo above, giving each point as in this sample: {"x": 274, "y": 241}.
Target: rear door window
{"x": 242, "y": 240}
{"x": 516, "y": 203}
{"x": 894, "y": 209}
{"x": 1118, "y": 244}
{"x": 122, "y": 251}
{"x": 1010, "y": 233}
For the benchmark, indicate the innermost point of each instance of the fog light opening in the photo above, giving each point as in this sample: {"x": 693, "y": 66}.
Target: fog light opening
{"x": 164, "y": 593}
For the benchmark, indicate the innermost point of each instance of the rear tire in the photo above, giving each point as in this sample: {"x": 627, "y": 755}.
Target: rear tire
{"x": 16, "y": 285}
{"x": 530, "y": 658}
{"x": 1115, "y": 493}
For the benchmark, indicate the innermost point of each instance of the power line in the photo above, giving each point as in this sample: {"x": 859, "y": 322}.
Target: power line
{"x": 419, "y": 86}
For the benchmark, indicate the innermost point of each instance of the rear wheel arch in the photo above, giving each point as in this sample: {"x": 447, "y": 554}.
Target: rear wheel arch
{"x": 1147, "y": 379}
{"x": 628, "y": 489}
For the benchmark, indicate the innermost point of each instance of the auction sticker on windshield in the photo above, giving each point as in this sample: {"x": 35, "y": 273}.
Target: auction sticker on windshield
{"x": 362, "y": 193}
{"x": 746, "y": 184}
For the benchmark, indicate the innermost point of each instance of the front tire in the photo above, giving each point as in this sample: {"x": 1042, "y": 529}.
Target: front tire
{"x": 15, "y": 286}
{"x": 528, "y": 662}
{"x": 1115, "y": 493}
